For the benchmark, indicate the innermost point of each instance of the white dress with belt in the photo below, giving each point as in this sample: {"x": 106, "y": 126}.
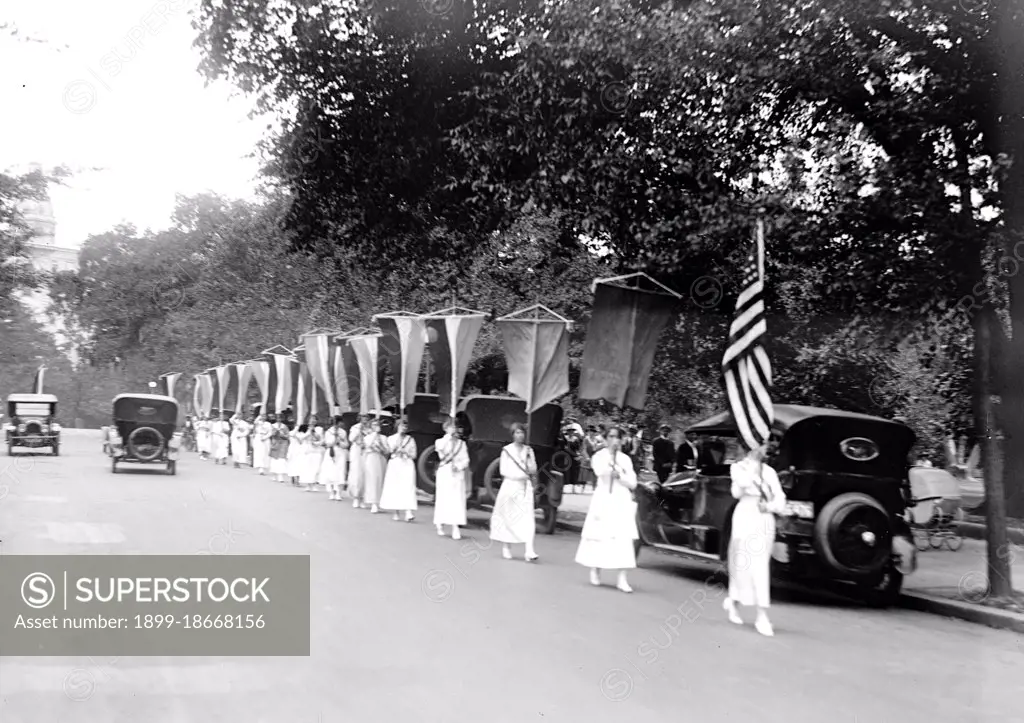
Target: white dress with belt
{"x": 221, "y": 439}
{"x": 513, "y": 520}
{"x": 610, "y": 528}
{"x": 450, "y": 481}
{"x": 375, "y": 460}
{"x": 753, "y": 531}
{"x": 355, "y": 461}
{"x": 400, "y": 477}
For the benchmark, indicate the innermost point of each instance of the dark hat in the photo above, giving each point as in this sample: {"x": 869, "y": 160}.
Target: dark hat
{"x": 591, "y": 428}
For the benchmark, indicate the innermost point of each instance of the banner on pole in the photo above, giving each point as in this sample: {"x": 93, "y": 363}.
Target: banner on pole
{"x": 451, "y": 335}
{"x": 537, "y": 354}
{"x": 404, "y": 343}
{"x": 622, "y": 336}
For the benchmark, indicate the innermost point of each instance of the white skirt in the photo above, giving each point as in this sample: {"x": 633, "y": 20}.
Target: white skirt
{"x": 513, "y": 519}
{"x": 373, "y": 477}
{"x": 220, "y": 447}
{"x": 261, "y": 453}
{"x": 750, "y": 554}
{"x": 450, "y": 497}
{"x": 355, "y": 472}
{"x": 311, "y": 466}
{"x": 279, "y": 465}
{"x": 240, "y": 450}
{"x": 399, "y": 485}
{"x": 296, "y": 459}
{"x": 203, "y": 442}
{"x": 606, "y": 541}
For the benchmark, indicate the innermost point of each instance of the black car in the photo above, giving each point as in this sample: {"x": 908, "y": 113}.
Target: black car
{"x": 144, "y": 431}
{"x": 33, "y": 422}
{"x": 846, "y": 480}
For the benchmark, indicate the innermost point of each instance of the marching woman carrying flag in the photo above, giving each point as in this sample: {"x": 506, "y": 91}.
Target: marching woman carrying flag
{"x": 400, "y": 479}
{"x": 375, "y": 459}
{"x": 748, "y": 374}
{"x": 240, "y": 440}
{"x": 450, "y": 482}
{"x": 606, "y": 542}
{"x": 513, "y": 521}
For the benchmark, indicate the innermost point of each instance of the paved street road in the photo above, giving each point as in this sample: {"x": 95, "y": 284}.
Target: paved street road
{"x": 409, "y": 626}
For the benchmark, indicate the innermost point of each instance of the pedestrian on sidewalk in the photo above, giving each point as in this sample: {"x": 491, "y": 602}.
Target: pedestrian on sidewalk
{"x": 399, "y": 493}
{"x": 756, "y": 486}
{"x": 375, "y": 462}
{"x": 450, "y": 482}
{"x": 513, "y": 521}
{"x": 279, "y": 442}
{"x": 664, "y": 453}
{"x": 606, "y": 542}
{"x": 355, "y": 459}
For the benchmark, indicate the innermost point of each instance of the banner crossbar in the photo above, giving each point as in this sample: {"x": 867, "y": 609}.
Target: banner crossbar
{"x": 637, "y": 276}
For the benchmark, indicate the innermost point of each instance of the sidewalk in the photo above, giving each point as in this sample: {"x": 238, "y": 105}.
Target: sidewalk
{"x": 945, "y": 583}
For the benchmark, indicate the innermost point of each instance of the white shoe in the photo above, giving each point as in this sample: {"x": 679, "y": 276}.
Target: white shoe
{"x": 456, "y": 534}
{"x": 531, "y": 557}
{"x": 506, "y": 553}
{"x": 355, "y": 504}
{"x": 440, "y": 531}
{"x": 374, "y": 509}
{"x": 595, "y": 578}
{"x": 624, "y": 586}
{"x": 764, "y": 627}
{"x": 396, "y": 518}
{"x": 409, "y": 517}
{"x": 730, "y": 607}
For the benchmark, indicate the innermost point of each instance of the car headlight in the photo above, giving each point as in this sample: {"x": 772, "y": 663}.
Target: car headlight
{"x": 803, "y": 510}
{"x": 22, "y": 427}
{"x": 55, "y": 427}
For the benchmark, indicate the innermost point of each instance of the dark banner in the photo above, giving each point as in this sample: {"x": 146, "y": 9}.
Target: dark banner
{"x": 622, "y": 336}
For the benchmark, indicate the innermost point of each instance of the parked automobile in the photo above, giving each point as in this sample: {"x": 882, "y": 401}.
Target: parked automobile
{"x": 846, "y": 481}
{"x": 32, "y": 422}
{"x": 426, "y": 426}
{"x": 144, "y": 431}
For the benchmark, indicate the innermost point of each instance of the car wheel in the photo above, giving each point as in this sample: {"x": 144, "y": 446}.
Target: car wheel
{"x": 637, "y": 546}
{"x": 853, "y": 535}
{"x": 146, "y": 443}
{"x": 426, "y": 468}
{"x": 954, "y": 542}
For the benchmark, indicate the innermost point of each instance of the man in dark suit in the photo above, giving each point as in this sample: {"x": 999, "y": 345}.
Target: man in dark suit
{"x": 664, "y": 453}
{"x": 688, "y": 453}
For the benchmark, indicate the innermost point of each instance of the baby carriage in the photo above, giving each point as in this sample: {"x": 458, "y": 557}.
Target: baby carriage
{"x": 936, "y": 508}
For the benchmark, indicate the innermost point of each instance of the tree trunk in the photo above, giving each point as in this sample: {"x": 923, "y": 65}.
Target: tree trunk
{"x": 999, "y": 580}
{"x": 1008, "y": 54}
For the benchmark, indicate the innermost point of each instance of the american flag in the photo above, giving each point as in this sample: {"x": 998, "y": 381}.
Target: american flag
{"x": 748, "y": 373}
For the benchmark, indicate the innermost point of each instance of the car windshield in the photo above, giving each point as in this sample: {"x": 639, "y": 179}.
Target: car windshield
{"x": 718, "y": 451}
{"x": 32, "y": 409}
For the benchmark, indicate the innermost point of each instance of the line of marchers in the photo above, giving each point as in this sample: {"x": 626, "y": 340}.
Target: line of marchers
{"x": 96, "y": 622}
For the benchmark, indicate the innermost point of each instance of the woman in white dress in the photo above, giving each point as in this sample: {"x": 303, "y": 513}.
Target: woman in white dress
{"x": 328, "y": 474}
{"x": 240, "y": 440}
{"x": 355, "y": 459}
{"x": 513, "y": 521}
{"x": 375, "y": 460}
{"x": 606, "y": 542}
{"x": 756, "y": 486}
{"x": 313, "y": 457}
{"x": 203, "y": 437}
{"x": 297, "y": 452}
{"x": 279, "y": 443}
{"x": 261, "y": 444}
{"x": 221, "y": 440}
{"x": 450, "y": 482}
{"x": 400, "y": 479}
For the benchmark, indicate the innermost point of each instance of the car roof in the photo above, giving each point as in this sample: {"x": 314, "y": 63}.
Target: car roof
{"x": 31, "y": 398}
{"x": 147, "y": 397}
{"x": 786, "y": 416}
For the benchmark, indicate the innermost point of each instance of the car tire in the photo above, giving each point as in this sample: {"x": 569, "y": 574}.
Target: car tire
{"x": 425, "y": 473}
{"x": 637, "y": 546}
{"x": 828, "y": 526}
{"x": 134, "y": 444}
{"x": 172, "y": 468}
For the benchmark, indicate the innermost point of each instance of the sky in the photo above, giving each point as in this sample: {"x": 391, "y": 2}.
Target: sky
{"x": 112, "y": 85}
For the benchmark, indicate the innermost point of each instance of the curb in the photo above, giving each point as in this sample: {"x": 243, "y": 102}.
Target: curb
{"x": 992, "y": 617}
{"x": 920, "y": 602}
{"x": 976, "y": 531}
